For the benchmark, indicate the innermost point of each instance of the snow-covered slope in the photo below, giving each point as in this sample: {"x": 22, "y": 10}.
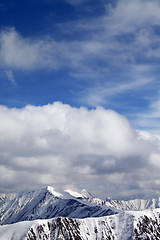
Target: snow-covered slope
{"x": 46, "y": 203}
{"x": 122, "y": 226}
{"x": 84, "y": 194}
{"x": 134, "y": 204}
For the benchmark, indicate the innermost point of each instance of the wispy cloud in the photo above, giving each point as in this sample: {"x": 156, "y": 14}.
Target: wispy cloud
{"x": 149, "y": 118}
{"x": 136, "y": 80}
{"x": 10, "y": 76}
{"x": 17, "y": 52}
{"x": 121, "y": 35}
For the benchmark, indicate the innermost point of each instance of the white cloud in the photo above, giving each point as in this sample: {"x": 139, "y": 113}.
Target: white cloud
{"x": 26, "y": 53}
{"x": 128, "y": 16}
{"x": 10, "y": 76}
{"x": 58, "y": 145}
{"x": 105, "y": 39}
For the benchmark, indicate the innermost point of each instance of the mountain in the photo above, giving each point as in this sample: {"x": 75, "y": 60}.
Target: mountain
{"x": 133, "y": 204}
{"x": 46, "y": 203}
{"x": 71, "y": 215}
{"x": 122, "y": 226}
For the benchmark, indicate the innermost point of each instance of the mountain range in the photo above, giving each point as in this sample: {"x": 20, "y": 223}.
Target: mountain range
{"x": 47, "y": 214}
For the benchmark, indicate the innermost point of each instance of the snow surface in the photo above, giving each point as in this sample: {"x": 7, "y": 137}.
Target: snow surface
{"x": 54, "y": 193}
{"x": 74, "y": 193}
{"x": 122, "y": 226}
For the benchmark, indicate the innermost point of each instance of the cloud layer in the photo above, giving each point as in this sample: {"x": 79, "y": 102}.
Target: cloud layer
{"x": 109, "y": 59}
{"x": 57, "y": 144}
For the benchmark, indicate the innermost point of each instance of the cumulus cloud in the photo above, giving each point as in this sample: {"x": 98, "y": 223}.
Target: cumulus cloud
{"x": 57, "y": 144}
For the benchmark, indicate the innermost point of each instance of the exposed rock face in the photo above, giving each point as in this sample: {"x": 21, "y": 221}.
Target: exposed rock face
{"x": 147, "y": 228}
{"x": 59, "y": 228}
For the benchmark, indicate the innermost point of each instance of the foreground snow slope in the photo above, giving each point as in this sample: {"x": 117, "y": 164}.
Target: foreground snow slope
{"x": 122, "y": 226}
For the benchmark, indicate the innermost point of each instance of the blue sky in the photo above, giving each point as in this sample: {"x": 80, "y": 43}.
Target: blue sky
{"x": 79, "y": 81}
{"x": 84, "y": 53}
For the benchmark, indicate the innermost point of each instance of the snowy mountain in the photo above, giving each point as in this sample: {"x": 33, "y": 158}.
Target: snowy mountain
{"x": 46, "y": 203}
{"x": 134, "y": 204}
{"x": 122, "y": 226}
{"x": 47, "y": 214}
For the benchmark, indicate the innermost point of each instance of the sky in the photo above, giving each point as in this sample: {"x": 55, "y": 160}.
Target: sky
{"x": 79, "y": 95}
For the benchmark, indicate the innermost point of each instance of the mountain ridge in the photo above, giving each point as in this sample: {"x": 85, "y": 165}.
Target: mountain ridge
{"x": 46, "y": 203}
{"x": 122, "y": 226}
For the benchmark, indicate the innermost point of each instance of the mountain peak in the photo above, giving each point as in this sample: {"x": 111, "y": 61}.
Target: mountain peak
{"x": 54, "y": 193}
